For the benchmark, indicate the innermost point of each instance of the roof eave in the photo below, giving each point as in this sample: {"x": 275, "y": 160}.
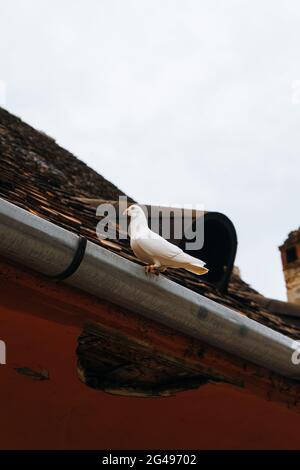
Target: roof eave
{"x": 48, "y": 249}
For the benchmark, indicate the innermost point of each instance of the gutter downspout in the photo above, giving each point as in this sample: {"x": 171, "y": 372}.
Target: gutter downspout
{"x": 49, "y": 249}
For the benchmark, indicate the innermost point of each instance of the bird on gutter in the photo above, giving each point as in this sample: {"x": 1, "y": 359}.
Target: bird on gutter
{"x": 158, "y": 253}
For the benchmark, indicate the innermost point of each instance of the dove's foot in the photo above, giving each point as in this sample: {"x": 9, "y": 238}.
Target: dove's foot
{"x": 152, "y": 268}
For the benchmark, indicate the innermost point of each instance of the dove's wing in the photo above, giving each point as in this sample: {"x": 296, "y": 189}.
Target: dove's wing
{"x": 157, "y": 247}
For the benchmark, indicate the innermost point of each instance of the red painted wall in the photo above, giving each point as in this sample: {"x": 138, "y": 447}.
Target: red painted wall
{"x": 63, "y": 413}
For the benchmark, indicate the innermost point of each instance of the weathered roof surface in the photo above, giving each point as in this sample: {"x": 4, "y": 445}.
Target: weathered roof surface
{"x": 28, "y": 152}
{"x": 44, "y": 179}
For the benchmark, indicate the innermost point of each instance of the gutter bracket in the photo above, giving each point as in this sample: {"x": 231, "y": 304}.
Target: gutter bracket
{"x": 75, "y": 263}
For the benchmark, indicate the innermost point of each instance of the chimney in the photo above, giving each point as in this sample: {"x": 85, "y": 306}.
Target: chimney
{"x": 290, "y": 255}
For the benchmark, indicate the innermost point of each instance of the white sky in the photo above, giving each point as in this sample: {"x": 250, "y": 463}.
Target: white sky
{"x": 174, "y": 101}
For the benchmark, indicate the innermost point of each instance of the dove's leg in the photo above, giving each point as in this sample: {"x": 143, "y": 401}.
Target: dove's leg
{"x": 153, "y": 268}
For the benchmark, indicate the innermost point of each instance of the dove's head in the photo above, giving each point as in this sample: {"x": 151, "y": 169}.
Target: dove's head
{"x": 135, "y": 212}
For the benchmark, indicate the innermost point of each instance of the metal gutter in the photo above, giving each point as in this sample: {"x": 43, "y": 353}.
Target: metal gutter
{"x": 49, "y": 249}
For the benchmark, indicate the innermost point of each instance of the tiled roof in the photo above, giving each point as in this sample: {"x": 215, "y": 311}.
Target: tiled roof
{"x": 33, "y": 154}
{"x": 44, "y": 179}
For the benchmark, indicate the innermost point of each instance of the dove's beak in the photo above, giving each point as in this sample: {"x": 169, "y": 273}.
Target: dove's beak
{"x": 125, "y": 212}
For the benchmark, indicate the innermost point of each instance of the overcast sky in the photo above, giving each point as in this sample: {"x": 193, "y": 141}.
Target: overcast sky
{"x": 174, "y": 101}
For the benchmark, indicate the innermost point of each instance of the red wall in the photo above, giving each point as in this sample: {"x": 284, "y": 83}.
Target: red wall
{"x": 63, "y": 413}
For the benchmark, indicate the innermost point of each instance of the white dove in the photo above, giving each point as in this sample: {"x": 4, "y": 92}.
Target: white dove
{"x": 158, "y": 253}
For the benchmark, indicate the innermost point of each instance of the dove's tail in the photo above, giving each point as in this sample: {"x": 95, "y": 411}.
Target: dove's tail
{"x": 200, "y": 270}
